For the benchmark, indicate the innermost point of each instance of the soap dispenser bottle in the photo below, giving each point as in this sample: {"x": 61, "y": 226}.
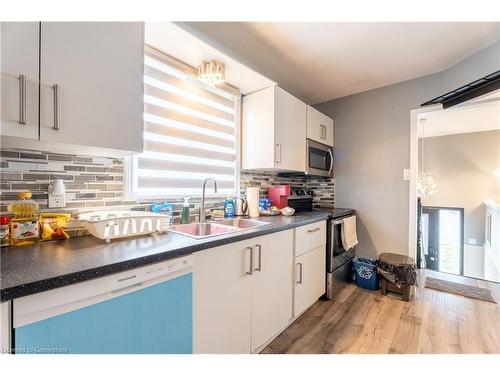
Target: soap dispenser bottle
{"x": 229, "y": 207}
{"x": 185, "y": 211}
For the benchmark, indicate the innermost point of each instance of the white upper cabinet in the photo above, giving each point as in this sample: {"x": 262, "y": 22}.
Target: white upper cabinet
{"x": 273, "y": 131}
{"x": 84, "y": 80}
{"x": 92, "y": 84}
{"x": 19, "y": 79}
{"x": 319, "y": 127}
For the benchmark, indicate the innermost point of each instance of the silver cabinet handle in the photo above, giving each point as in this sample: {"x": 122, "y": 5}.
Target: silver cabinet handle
{"x": 278, "y": 153}
{"x": 322, "y": 131}
{"x": 250, "y": 271}
{"x": 259, "y": 267}
{"x": 299, "y": 281}
{"x": 22, "y": 99}
{"x": 313, "y": 230}
{"x": 324, "y": 128}
{"x": 57, "y": 124}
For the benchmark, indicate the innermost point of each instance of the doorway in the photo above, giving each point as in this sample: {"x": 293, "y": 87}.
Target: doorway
{"x": 455, "y": 188}
{"x": 442, "y": 239}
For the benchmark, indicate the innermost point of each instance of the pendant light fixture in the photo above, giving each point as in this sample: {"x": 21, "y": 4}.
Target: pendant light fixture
{"x": 211, "y": 72}
{"x": 427, "y": 182}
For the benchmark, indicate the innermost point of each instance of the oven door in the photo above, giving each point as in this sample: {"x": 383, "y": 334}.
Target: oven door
{"x": 336, "y": 254}
{"x": 319, "y": 159}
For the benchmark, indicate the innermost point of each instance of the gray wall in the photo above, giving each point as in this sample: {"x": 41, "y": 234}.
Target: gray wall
{"x": 463, "y": 165}
{"x": 372, "y": 147}
{"x": 371, "y": 150}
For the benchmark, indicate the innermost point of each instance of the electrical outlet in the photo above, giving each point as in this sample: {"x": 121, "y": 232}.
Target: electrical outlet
{"x": 56, "y": 201}
{"x": 57, "y": 194}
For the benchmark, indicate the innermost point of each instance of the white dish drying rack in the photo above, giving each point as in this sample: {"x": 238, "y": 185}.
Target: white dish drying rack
{"x": 108, "y": 225}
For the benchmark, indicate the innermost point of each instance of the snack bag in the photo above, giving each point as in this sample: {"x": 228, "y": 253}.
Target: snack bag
{"x": 53, "y": 226}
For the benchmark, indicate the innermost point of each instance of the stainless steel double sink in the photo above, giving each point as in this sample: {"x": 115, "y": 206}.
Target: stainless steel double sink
{"x": 215, "y": 228}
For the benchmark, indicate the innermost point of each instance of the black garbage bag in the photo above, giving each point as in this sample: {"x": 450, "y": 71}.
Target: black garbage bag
{"x": 398, "y": 269}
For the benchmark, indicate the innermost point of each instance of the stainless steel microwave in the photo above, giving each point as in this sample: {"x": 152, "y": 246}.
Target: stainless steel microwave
{"x": 319, "y": 159}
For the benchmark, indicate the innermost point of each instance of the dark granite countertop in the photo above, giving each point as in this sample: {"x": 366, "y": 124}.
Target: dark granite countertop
{"x": 48, "y": 265}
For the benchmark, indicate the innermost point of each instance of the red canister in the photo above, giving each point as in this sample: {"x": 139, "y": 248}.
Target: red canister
{"x": 279, "y": 195}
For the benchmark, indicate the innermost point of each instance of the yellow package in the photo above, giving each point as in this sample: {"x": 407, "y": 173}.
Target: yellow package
{"x": 53, "y": 226}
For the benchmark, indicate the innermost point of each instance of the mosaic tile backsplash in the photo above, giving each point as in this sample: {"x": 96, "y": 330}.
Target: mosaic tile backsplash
{"x": 323, "y": 187}
{"x": 98, "y": 182}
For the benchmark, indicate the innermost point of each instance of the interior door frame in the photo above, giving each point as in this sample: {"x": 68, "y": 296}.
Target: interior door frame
{"x": 462, "y": 242}
{"x": 412, "y": 222}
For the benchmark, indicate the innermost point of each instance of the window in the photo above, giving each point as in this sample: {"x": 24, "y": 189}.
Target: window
{"x": 190, "y": 132}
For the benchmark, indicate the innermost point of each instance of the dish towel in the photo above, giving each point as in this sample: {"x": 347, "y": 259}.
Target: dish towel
{"x": 349, "y": 237}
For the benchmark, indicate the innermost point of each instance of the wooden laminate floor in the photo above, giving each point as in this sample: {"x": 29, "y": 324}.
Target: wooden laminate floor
{"x": 363, "y": 321}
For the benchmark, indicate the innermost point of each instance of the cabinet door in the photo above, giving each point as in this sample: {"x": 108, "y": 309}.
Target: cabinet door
{"x": 98, "y": 69}
{"x": 309, "y": 279}
{"x": 5, "y": 327}
{"x": 19, "y": 51}
{"x": 222, "y": 299}
{"x": 289, "y": 132}
{"x": 320, "y": 128}
{"x": 272, "y": 286}
{"x": 156, "y": 319}
{"x": 257, "y": 129}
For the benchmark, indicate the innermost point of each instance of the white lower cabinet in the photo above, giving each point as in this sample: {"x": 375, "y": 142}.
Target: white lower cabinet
{"x": 272, "y": 286}
{"x": 5, "y": 327}
{"x": 310, "y": 271}
{"x": 222, "y": 299}
{"x": 242, "y": 293}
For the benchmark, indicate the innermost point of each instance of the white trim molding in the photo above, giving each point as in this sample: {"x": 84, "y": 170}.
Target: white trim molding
{"x": 412, "y": 222}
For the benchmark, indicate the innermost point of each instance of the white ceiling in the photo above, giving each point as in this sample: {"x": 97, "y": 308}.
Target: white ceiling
{"x": 178, "y": 43}
{"x": 322, "y": 61}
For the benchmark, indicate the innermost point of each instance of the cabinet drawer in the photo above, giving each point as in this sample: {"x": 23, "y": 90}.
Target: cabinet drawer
{"x": 310, "y": 237}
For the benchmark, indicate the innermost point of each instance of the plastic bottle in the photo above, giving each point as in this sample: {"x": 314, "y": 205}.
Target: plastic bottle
{"x": 229, "y": 207}
{"x": 4, "y": 231}
{"x": 24, "y": 227}
{"x": 185, "y": 211}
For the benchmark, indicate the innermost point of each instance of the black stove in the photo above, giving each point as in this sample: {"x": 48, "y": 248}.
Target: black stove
{"x": 301, "y": 200}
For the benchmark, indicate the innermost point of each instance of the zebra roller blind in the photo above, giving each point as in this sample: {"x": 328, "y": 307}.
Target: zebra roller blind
{"x": 189, "y": 132}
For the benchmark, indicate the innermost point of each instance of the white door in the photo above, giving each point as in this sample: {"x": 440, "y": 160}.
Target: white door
{"x": 309, "y": 279}
{"x": 272, "y": 285}
{"x": 222, "y": 299}
{"x": 320, "y": 128}
{"x": 98, "y": 70}
{"x": 19, "y": 79}
{"x": 289, "y": 131}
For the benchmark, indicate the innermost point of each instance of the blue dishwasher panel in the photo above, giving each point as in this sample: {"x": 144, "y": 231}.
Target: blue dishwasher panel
{"x": 156, "y": 319}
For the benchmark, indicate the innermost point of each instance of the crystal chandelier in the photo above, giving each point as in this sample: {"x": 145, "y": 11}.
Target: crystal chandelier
{"x": 212, "y": 72}
{"x": 427, "y": 184}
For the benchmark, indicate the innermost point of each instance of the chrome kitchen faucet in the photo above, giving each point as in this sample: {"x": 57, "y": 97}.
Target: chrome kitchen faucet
{"x": 202, "y": 208}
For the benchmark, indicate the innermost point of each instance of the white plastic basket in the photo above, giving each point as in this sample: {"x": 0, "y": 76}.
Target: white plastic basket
{"x": 108, "y": 225}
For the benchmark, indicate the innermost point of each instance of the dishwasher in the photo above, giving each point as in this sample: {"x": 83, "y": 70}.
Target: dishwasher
{"x": 142, "y": 310}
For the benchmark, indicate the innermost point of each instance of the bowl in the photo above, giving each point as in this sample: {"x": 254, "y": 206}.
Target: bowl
{"x": 287, "y": 211}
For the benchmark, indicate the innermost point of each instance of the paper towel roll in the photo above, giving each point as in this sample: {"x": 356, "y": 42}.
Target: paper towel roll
{"x": 253, "y": 201}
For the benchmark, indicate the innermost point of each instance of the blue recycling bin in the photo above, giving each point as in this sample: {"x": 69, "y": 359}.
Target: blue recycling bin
{"x": 365, "y": 273}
